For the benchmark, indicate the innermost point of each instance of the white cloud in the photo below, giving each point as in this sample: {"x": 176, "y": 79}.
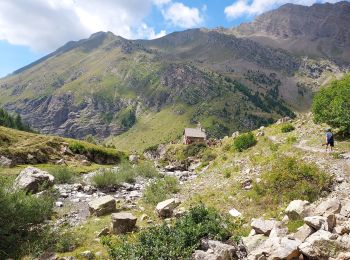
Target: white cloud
{"x": 255, "y": 7}
{"x": 182, "y": 16}
{"x": 48, "y": 24}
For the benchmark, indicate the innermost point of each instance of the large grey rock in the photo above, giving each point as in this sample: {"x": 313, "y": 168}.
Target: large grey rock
{"x": 32, "y": 180}
{"x": 345, "y": 210}
{"x": 102, "y": 205}
{"x": 298, "y": 209}
{"x": 276, "y": 248}
{"x": 215, "y": 250}
{"x": 254, "y": 242}
{"x": 329, "y": 206}
{"x": 165, "y": 208}
{"x": 5, "y": 162}
{"x": 320, "y": 245}
{"x": 262, "y": 226}
{"x": 123, "y": 223}
{"x": 303, "y": 232}
{"x": 285, "y": 249}
{"x": 327, "y": 222}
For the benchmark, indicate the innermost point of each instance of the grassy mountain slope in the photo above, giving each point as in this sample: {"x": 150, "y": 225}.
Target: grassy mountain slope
{"x": 105, "y": 85}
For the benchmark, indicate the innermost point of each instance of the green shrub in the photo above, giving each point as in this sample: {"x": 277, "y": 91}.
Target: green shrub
{"x": 208, "y": 156}
{"x": 105, "y": 179}
{"x": 160, "y": 189}
{"x": 286, "y": 128}
{"x": 62, "y": 174}
{"x": 194, "y": 149}
{"x": 289, "y": 180}
{"x": 331, "y": 105}
{"x": 244, "y": 141}
{"x": 146, "y": 170}
{"x": 20, "y": 215}
{"x": 177, "y": 241}
{"x": 66, "y": 242}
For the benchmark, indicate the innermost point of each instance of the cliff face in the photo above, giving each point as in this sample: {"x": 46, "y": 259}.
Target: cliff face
{"x": 321, "y": 30}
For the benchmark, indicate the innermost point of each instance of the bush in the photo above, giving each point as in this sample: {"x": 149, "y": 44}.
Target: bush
{"x": 289, "y": 180}
{"x": 66, "y": 242}
{"x": 286, "y": 128}
{"x": 244, "y": 141}
{"x": 146, "y": 170}
{"x": 177, "y": 241}
{"x": 62, "y": 174}
{"x": 20, "y": 215}
{"x": 105, "y": 179}
{"x": 332, "y": 105}
{"x": 160, "y": 189}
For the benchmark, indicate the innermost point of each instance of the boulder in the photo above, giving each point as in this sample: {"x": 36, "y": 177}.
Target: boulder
{"x": 286, "y": 248}
{"x": 123, "y": 223}
{"x": 5, "y": 162}
{"x": 254, "y": 242}
{"x": 32, "y": 179}
{"x": 165, "y": 208}
{"x": 298, "y": 209}
{"x": 345, "y": 210}
{"x": 262, "y": 226}
{"x": 329, "y": 206}
{"x": 320, "y": 245}
{"x": 216, "y": 250}
{"x": 321, "y": 222}
{"x": 278, "y": 231}
{"x": 343, "y": 228}
{"x": 102, "y": 205}
{"x": 277, "y": 248}
{"x": 303, "y": 232}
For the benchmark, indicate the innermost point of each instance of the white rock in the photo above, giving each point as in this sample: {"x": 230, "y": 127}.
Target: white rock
{"x": 59, "y": 204}
{"x": 331, "y": 205}
{"x": 303, "y": 232}
{"x": 262, "y": 226}
{"x": 31, "y": 179}
{"x": 254, "y": 242}
{"x": 235, "y": 213}
{"x": 5, "y": 162}
{"x": 297, "y": 209}
{"x": 345, "y": 210}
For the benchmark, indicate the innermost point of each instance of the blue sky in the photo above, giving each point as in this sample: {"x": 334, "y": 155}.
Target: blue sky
{"x": 32, "y": 29}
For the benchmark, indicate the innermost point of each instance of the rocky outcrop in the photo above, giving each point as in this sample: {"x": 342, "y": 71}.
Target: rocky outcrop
{"x": 32, "y": 180}
{"x": 298, "y": 209}
{"x": 262, "y": 226}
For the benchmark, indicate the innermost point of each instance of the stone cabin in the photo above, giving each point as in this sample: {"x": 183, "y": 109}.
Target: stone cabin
{"x": 194, "y": 135}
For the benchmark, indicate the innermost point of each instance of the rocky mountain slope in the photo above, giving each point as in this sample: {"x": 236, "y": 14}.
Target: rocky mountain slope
{"x": 105, "y": 85}
{"x": 318, "y": 31}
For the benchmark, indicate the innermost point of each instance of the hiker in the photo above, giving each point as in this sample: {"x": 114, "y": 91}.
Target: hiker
{"x": 329, "y": 139}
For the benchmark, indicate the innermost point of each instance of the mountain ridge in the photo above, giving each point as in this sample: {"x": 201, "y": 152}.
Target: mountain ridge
{"x": 96, "y": 86}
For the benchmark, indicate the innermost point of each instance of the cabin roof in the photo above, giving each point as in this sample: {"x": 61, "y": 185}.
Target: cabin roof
{"x": 195, "y": 132}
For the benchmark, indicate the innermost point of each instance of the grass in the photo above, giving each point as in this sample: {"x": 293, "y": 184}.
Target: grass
{"x": 126, "y": 173}
{"x": 160, "y": 189}
{"x": 152, "y": 129}
{"x": 286, "y": 128}
{"x": 63, "y": 174}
